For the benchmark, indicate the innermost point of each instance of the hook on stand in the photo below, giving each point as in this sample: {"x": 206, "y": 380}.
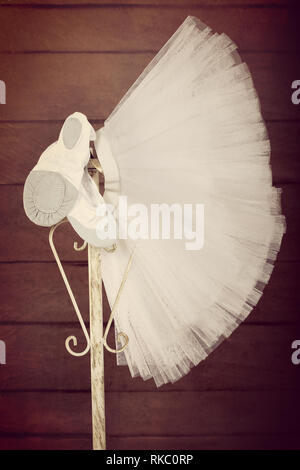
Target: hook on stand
{"x": 65, "y": 279}
{"x": 79, "y": 248}
{"x": 76, "y": 308}
{"x": 121, "y": 334}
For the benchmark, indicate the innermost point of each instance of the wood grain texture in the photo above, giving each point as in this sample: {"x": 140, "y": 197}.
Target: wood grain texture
{"x": 255, "y": 357}
{"x": 140, "y": 28}
{"x": 51, "y": 86}
{"x": 224, "y": 442}
{"x": 20, "y": 240}
{"x": 237, "y": 442}
{"x": 49, "y": 302}
{"x": 160, "y": 3}
{"x": 208, "y": 413}
{"x": 42, "y": 284}
{"x": 22, "y": 143}
{"x": 246, "y": 394}
{"x": 45, "y": 442}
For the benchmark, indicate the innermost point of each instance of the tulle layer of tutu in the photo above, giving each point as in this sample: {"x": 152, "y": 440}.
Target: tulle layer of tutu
{"x": 190, "y": 130}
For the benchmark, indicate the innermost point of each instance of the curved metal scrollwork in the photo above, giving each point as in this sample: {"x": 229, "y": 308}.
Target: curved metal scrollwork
{"x": 65, "y": 279}
{"x": 73, "y": 338}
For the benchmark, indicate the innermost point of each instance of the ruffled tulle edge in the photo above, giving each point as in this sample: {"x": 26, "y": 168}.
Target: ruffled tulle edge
{"x": 192, "y": 345}
{"x": 191, "y": 349}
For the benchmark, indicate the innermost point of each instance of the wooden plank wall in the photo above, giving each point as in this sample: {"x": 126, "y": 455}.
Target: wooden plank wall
{"x": 65, "y": 55}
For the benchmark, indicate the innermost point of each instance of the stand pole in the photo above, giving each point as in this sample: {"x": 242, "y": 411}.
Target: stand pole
{"x": 96, "y": 342}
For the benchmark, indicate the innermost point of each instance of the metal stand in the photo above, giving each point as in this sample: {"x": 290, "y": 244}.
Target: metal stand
{"x": 96, "y": 344}
{"x": 96, "y": 340}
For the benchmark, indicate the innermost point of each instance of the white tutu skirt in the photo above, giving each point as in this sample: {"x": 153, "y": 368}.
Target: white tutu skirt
{"x": 190, "y": 130}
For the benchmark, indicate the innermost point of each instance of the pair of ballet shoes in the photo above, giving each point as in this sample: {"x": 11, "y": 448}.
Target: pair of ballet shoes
{"x": 59, "y": 185}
